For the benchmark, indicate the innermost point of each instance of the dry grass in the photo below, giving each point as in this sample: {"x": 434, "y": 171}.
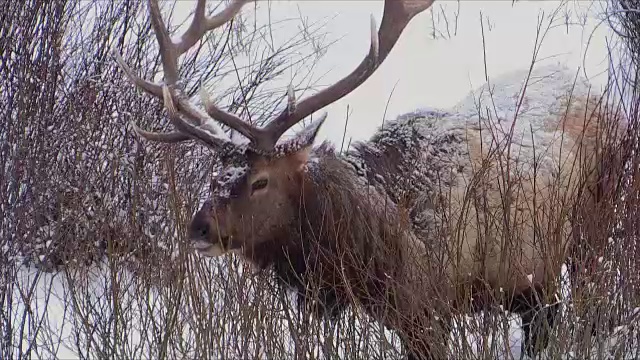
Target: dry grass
{"x": 94, "y": 263}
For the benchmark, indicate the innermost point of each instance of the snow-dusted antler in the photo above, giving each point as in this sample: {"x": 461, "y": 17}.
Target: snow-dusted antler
{"x": 397, "y": 14}
{"x": 191, "y": 123}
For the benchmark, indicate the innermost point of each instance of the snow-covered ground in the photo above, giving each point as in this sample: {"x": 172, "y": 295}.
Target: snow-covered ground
{"x": 212, "y": 312}
{"x": 111, "y": 313}
{"x": 216, "y": 308}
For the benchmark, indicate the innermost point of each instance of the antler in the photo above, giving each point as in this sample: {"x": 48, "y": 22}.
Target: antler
{"x": 397, "y": 14}
{"x": 191, "y": 123}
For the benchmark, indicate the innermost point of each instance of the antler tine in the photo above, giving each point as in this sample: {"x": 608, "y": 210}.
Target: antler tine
{"x": 198, "y": 27}
{"x": 397, "y": 14}
{"x": 190, "y": 122}
{"x": 168, "y": 53}
{"x": 291, "y": 100}
{"x": 231, "y": 120}
{"x": 214, "y": 139}
{"x": 148, "y": 86}
{"x": 201, "y": 23}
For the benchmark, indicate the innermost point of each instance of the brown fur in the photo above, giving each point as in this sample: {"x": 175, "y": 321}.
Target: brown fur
{"x": 430, "y": 218}
{"x": 497, "y": 228}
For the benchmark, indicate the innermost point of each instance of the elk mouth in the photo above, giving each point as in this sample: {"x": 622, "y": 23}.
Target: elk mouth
{"x": 223, "y": 246}
{"x": 203, "y": 245}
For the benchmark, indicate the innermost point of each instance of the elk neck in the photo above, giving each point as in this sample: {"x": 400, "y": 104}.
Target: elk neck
{"x": 352, "y": 234}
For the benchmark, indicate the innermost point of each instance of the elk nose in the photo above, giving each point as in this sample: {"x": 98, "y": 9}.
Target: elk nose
{"x": 200, "y": 231}
{"x": 200, "y": 228}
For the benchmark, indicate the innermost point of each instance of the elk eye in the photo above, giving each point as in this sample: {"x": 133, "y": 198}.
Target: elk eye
{"x": 259, "y": 184}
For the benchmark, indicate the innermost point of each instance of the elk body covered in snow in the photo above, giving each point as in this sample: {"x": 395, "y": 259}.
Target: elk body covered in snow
{"x": 441, "y": 212}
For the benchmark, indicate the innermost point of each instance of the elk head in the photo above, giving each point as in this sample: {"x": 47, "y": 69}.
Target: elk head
{"x": 255, "y": 196}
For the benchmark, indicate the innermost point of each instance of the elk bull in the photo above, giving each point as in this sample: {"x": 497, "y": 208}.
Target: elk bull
{"x": 441, "y": 212}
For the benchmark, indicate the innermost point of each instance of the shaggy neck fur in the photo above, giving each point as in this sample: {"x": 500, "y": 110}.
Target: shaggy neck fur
{"x": 347, "y": 240}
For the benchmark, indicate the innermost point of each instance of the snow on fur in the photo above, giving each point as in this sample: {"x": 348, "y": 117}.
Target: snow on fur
{"x": 522, "y": 103}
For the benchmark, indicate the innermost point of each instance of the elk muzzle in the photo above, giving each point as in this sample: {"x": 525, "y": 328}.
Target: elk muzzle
{"x": 207, "y": 232}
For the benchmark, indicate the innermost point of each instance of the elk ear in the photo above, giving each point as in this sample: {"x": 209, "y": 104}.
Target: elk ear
{"x": 298, "y": 160}
{"x": 298, "y": 148}
{"x": 302, "y": 139}
{"x": 307, "y": 136}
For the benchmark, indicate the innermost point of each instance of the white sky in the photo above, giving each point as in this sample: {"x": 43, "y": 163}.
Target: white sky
{"x": 436, "y": 73}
